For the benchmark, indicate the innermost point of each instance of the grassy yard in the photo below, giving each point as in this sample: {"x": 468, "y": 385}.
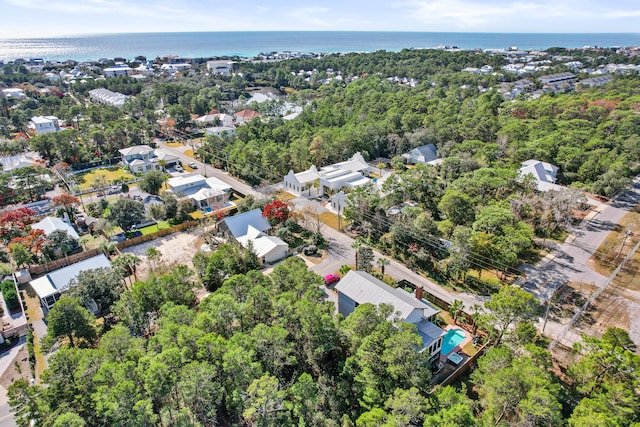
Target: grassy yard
{"x": 173, "y": 144}
{"x": 189, "y": 153}
{"x": 99, "y": 177}
{"x": 331, "y": 219}
{"x": 91, "y": 242}
{"x": 161, "y": 225}
{"x": 284, "y": 196}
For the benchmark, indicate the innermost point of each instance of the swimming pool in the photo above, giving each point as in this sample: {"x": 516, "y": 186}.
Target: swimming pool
{"x": 451, "y": 339}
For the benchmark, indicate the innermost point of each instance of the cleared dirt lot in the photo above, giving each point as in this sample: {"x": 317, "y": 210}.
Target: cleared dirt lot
{"x": 176, "y": 248}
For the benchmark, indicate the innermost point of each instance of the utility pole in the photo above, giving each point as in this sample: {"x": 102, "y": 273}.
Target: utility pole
{"x": 546, "y": 314}
{"x": 627, "y": 233}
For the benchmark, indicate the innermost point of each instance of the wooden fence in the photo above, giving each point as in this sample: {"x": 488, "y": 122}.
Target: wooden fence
{"x": 160, "y": 233}
{"x": 37, "y": 270}
{"x": 464, "y": 368}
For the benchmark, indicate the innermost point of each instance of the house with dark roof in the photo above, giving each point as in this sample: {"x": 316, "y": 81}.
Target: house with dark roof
{"x": 358, "y": 287}
{"x": 246, "y": 115}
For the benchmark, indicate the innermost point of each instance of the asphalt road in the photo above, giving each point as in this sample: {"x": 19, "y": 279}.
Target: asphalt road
{"x": 340, "y": 252}
{"x": 569, "y": 260}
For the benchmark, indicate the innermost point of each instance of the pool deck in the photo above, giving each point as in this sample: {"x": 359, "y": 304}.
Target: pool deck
{"x": 448, "y": 368}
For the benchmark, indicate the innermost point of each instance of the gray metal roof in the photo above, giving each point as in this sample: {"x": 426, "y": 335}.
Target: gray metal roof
{"x": 362, "y": 288}
{"x": 239, "y": 224}
{"x": 61, "y": 278}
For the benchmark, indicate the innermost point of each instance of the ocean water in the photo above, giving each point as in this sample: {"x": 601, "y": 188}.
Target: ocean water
{"x": 248, "y": 43}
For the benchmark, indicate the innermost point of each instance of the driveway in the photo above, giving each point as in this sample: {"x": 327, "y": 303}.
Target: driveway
{"x": 340, "y": 252}
{"x": 569, "y": 260}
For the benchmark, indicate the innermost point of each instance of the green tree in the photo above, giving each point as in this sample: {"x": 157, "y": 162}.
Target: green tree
{"x": 68, "y": 318}
{"x": 264, "y": 402}
{"x": 126, "y": 212}
{"x": 506, "y": 309}
{"x": 102, "y": 285}
{"x": 26, "y": 402}
{"x": 152, "y": 181}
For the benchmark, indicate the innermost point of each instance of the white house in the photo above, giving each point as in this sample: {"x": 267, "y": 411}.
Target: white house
{"x": 220, "y": 67}
{"x": 50, "y": 287}
{"x": 107, "y": 97}
{"x": 359, "y": 287}
{"x": 347, "y": 174}
{"x": 142, "y": 158}
{"x": 269, "y": 249}
{"x": 301, "y": 181}
{"x": 119, "y": 70}
{"x": 208, "y": 194}
{"x": 220, "y": 130}
{"x": 45, "y": 124}
{"x": 332, "y": 178}
{"x": 216, "y": 119}
{"x": 250, "y": 228}
{"x": 50, "y": 224}
{"x": 544, "y": 174}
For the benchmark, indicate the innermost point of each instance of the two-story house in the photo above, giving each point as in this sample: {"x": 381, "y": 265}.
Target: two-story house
{"x": 142, "y": 158}
{"x": 45, "y": 124}
{"x": 359, "y": 287}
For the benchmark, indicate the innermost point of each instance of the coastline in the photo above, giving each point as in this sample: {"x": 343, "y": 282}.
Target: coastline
{"x": 247, "y": 44}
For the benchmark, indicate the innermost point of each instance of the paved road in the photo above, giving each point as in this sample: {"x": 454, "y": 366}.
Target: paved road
{"x": 341, "y": 252}
{"x": 568, "y": 262}
{"x": 6, "y": 416}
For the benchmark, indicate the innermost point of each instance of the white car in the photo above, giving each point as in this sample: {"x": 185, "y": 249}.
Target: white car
{"x": 193, "y": 165}
{"x": 178, "y": 167}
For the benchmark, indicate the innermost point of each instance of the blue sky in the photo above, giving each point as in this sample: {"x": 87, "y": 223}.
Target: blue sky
{"x": 30, "y": 18}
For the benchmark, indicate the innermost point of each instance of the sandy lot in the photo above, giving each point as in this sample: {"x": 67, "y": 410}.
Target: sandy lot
{"x": 177, "y": 248}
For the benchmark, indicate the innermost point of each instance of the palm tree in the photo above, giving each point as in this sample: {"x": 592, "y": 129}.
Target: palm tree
{"x": 129, "y": 262}
{"x": 356, "y": 245}
{"x": 156, "y": 212}
{"x": 382, "y": 263}
{"x": 455, "y": 308}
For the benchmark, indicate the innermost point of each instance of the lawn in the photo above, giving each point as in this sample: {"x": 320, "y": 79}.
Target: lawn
{"x": 284, "y": 196}
{"x": 189, "y": 153}
{"x": 173, "y": 144}
{"x": 161, "y": 225}
{"x": 91, "y": 242}
{"x": 98, "y": 177}
{"x": 331, "y": 219}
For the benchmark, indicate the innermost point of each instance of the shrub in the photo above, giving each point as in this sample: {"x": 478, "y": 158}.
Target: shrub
{"x": 10, "y": 295}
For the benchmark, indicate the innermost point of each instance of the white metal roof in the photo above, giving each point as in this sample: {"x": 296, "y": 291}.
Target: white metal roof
{"x": 363, "y": 288}
{"x": 239, "y": 224}
{"x": 50, "y": 224}
{"x": 59, "y": 280}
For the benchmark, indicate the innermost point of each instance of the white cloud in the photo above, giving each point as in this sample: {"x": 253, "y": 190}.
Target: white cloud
{"x": 524, "y": 16}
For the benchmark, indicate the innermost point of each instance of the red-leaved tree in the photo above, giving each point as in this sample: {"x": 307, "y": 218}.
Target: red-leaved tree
{"x": 13, "y": 222}
{"x": 276, "y": 212}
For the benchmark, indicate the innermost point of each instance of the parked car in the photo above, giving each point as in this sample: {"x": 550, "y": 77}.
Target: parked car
{"x": 178, "y": 167}
{"x": 331, "y": 278}
{"x": 310, "y": 250}
{"x": 193, "y": 165}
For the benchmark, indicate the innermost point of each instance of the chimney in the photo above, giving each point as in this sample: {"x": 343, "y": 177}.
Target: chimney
{"x": 419, "y": 290}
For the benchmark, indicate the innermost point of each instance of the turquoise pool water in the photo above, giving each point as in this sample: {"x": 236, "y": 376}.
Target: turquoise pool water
{"x": 451, "y": 339}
